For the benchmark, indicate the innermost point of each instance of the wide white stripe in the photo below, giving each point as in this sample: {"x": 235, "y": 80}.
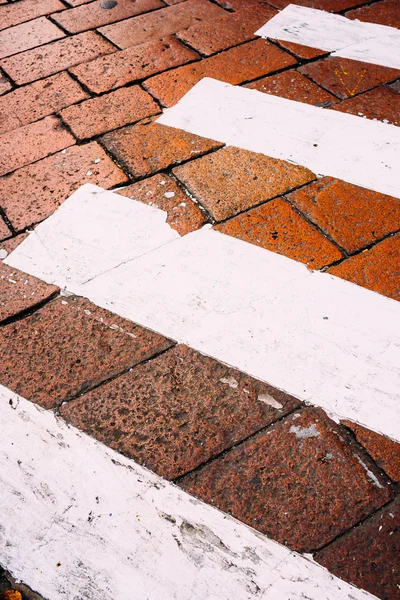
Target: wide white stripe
{"x": 79, "y": 521}
{"x": 318, "y": 337}
{"x": 328, "y": 142}
{"x": 368, "y": 42}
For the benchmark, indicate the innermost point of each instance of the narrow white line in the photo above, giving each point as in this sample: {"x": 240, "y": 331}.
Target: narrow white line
{"x": 328, "y": 142}
{"x": 80, "y": 521}
{"x": 368, "y": 42}
{"x": 318, "y": 337}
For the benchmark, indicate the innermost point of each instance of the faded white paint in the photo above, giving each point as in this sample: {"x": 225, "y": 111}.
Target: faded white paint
{"x": 81, "y": 521}
{"x": 328, "y": 142}
{"x": 318, "y": 337}
{"x": 368, "y": 42}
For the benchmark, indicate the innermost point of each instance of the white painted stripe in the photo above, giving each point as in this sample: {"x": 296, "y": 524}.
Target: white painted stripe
{"x": 328, "y": 142}
{"x": 318, "y": 337}
{"x": 79, "y": 521}
{"x": 368, "y": 42}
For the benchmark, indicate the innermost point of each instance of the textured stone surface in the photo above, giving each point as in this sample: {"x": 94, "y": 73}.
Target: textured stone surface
{"x": 346, "y": 78}
{"x": 28, "y": 35}
{"x": 300, "y": 482}
{"x": 5, "y": 85}
{"x": 386, "y": 12}
{"x": 34, "y": 192}
{"x": 278, "y": 227}
{"x": 239, "y": 4}
{"x": 368, "y": 556}
{"x": 382, "y": 103}
{"x": 330, "y": 5}
{"x": 69, "y": 346}
{"x": 4, "y": 230}
{"x": 18, "y": 12}
{"x": 305, "y": 52}
{"x": 294, "y": 86}
{"x": 147, "y": 148}
{"x": 177, "y": 411}
{"x": 232, "y": 180}
{"x": 236, "y": 65}
{"x": 353, "y": 216}
{"x": 162, "y": 191}
{"x": 9, "y": 245}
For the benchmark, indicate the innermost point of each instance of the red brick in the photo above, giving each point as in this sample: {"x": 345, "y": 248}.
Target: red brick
{"x": 302, "y": 482}
{"x": 28, "y": 35}
{"x": 177, "y": 411}
{"x": 37, "y": 100}
{"x": 329, "y": 5}
{"x": 243, "y": 63}
{"x": 228, "y": 30}
{"x": 68, "y": 347}
{"x": 20, "y": 292}
{"x": 149, "y": 147}
{"x": 279, "y": 228}
{"x": 300, "y": 51}
{"x": 386, "y": 12}
{"x": 5, "y": 85}
{"x": 162, "y": 191}
{"x": 377, "y": 269}
{"x": 25, "y": 10}
{"x": 294, "y": 86}
{"x": 384, "y": 451}
{"x": 232, "y": 180}
{"x": 77, "y": 2}
{"x": 34, "y": 192}
{"x": 89, "y": 16}
{"x": 346, "y": 78}
{"x": 382, "y": 103}
{"x": 4, "y": 230}
{"x": 368, "y": 556}
{"x": 239, "y": 4}
{"x": 55, "y": 57}
{"x": 110, "y": 72}
{"x": 160, "y": 23}
{"x": 352, "y": 216}
{"x": 110, "y": 111}
{"x": 9, "y": 245}
{"x": 32, "y": 142}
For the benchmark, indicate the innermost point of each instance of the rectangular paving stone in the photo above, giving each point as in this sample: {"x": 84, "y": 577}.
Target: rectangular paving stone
{"x": 10, "y": 244}
{"x": 110, "y": 72}
{"x": 237, "y": 65}
{"x": 55, "y": 57}
{"x": 385, "y": 12}
{"x": 18, "y": 12}
{"x": 149, "y": 147}
{"x": 37, "y": 100}
{"x": 161, "y": 23}
{"x": 28, "y": 35}
{"x": 32, "y": 142}
{"x": 177, "y": 411}
{"x": 304, "y": 52}
{"x": 98, "y": 115}
{"x": 95, "y": 14}
{"x": 4, "y": 230}
{"x": 382, "y": 103}
{"x": 69, "y": 346}
{"x": 302, "y": 482}
{"x": 5, "y": 85}
{"x": 329, "y": 5}
{"x": 34, "y": 192}
{"x": 77, "y": 2}
{"x": 368, "y": 555}
{"x": 232, "y": 180}
{"x": 294, "y": 86}
{"x": 239, "y": 4}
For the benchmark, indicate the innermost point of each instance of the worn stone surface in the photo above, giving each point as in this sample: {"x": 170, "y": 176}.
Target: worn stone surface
{"x": 9, "y": 245}
{"x": 5, "y": 85}
{"x": 162, "y": 191}
{"x": 177, "y": 411}
{"x": 353, "y": 216}
{"x": 232, "y": 180}
{"x": 150, "y": 147}
{"x": 69, "y": 346}
{"x": 386, "y": 12}
{"x": 382, "y": 103}
{"x": 329, "y": 5}
{"x": 237, "y": 65}
{"x": 239, "y": 4}
{"x": 304, "y": 52}
{"x": 4, "y": 230}
{"x": 368, "y": 556}
{"x": 18, "y": 12}
{"x": 302, "y": 482}
{"x": 294, "y": 86}
{"x": 34, "y": 192}
{"x": 28, "y": 35}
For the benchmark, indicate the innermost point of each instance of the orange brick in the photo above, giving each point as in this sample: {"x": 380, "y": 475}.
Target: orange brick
{"x": 304, "y": 52}
{"x": 34, "y": 192}
{"x": 149, "y": 147}
{"x": 228, "y": 30}
{"x": 18, "y": 12}
{"x": 55, "y": 57}
{"x": 160, "y": 23}
{"x": 162, "y": 191}
{"x": 28, "y": 35}
{"x": 89, "y": 16}
{"x": 77, "y": 2}
{"x": 5, "y": 85}
{"x": 32, "y": 142}
{"x": 239, "y": 4}
{"x": 330, "y": 5}
{"x": 386, "y": 12}
{"x": 244, "y": 63}
{"x": 4, "y": 230}
{"x": 37, "y": 100}
{"x": 110, "y": 72}
{"x": 294, "y": 86}
{"x": 345, "y": 78}
{"x": 110, "y": 111}
{"x": 382, "y": 103}
{"x": 232, "y": 180}
{"x": 377, "y": 269}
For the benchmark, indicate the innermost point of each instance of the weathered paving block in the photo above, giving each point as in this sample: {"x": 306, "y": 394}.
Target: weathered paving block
{"x": 28, "y": 35}
{"x": 386, "y": 13}
{"x": 4, "y": 230}
{"x": 294, "y": 86}
{"x": 302, "y": 481}
{"x": 18, "y": 12}
{"x": 5, "y": 85}
{"x": 330, "y": 5}
{"x": 382, "y": 103}
{"x": 68, "y": 347}
{"x": 10, "y": 244}
{"x": 177, "y": 411}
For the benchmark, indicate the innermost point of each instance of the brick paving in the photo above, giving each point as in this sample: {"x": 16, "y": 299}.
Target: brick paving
{"x": 80, "y": 87}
